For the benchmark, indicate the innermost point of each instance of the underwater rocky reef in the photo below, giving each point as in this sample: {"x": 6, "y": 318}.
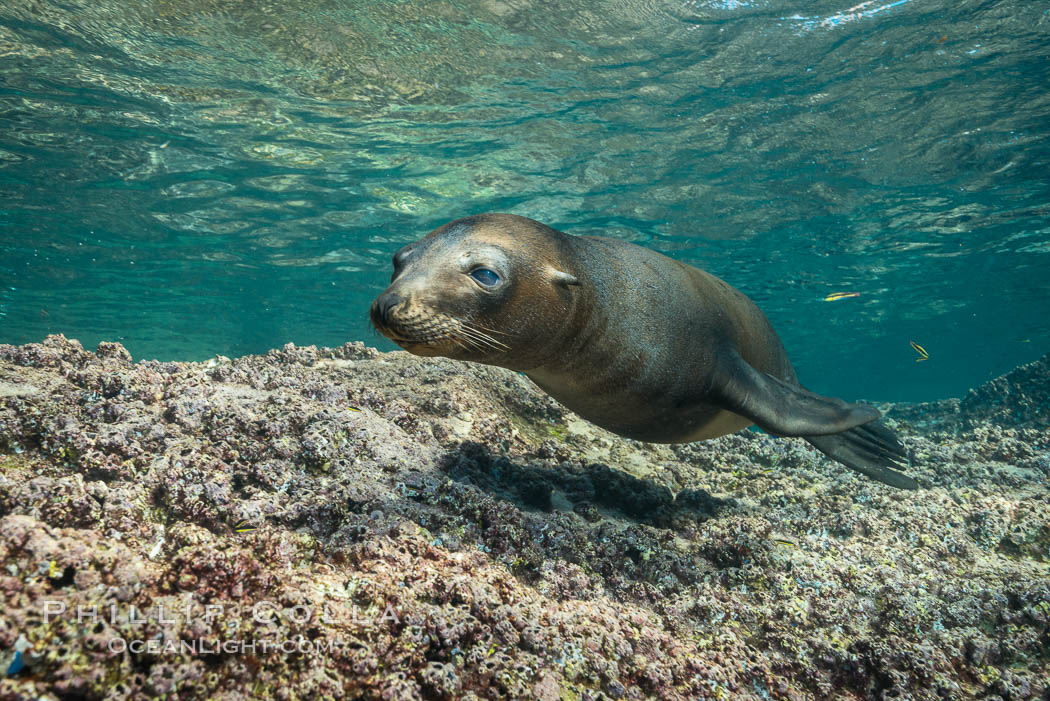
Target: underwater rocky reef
{"x": 345, "y": 523}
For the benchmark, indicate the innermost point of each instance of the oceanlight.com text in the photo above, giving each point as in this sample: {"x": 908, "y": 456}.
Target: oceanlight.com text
{"x": 154, "y": 646}
{"x": 262, "y": 613}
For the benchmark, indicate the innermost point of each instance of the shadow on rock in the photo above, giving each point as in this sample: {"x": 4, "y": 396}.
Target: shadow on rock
{"x": 592, "y": 490}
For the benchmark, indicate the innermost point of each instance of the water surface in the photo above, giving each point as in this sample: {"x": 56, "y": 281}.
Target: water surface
{"x": 194, "y": 178}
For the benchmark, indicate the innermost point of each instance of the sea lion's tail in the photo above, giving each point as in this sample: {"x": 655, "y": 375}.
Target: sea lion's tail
{"x": 871, "y": 449}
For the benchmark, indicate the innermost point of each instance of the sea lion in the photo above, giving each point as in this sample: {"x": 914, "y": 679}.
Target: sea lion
{"x": 638, "y": 343}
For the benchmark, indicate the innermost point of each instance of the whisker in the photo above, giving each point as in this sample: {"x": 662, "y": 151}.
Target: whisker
{"x": 459, "y": 338}
{"x": 476, "y": 325}
{"x": 482, "y": 336}
{"x": 443, "y": 328}
{"x": 475, "y": 342}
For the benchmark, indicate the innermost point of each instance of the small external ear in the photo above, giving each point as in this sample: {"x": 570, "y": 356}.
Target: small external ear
{"x": 564, "y": 279}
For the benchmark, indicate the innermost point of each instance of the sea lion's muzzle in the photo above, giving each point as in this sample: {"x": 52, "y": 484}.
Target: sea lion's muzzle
{"x": 392, "y": 317}
{"x": 416, "y": 328}
{"x": 419, "y": 328}
{"x": 382, "y": 308}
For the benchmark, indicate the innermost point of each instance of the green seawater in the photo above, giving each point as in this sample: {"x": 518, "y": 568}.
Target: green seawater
{"x": 217, "y": 176}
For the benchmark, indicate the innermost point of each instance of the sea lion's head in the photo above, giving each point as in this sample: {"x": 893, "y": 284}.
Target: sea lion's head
{"x": 491, "y": 288}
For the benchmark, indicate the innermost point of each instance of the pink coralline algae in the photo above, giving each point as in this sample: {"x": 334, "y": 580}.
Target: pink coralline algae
{"x": 344, "y": 523}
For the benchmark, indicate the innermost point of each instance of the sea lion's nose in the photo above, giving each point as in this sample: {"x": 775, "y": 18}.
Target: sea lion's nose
{"x": 382, "y": 307}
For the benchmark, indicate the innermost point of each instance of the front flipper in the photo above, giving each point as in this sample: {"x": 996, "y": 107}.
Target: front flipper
{"x": 782, "y": 408}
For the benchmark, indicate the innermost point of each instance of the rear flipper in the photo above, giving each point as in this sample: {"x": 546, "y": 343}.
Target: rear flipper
{"x": 782, "y": 408}
{"x": 848, "y": 433}
{"x": 871, "y": 449}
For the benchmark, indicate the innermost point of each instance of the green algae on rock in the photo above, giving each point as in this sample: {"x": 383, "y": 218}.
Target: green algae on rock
{"x": 460, "y": 536}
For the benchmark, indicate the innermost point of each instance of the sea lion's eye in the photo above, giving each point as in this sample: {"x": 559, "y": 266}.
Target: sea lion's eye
{"x": 486, "y": 277}
{"x": 399, "y": 260}
{"x": 401, "y": 256}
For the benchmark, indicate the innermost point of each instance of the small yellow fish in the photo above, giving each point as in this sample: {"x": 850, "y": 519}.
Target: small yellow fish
{"x": 834, "y": 296}
{"x": 352, "y": 408}
{"x": 923, "y": 355}
{"x": 781, "y": 541}
{"x": 243, "y": 526}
